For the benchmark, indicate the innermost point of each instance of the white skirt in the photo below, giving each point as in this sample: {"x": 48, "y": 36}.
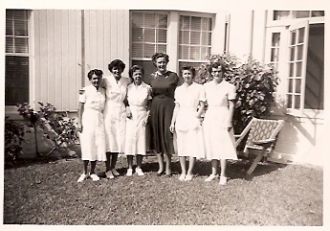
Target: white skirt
{"x": 92, "y": 137}
{"x": 219, "y": 143}
{"x": 115, "y": 127}
{"x": 135, "y": 140}
{"x": 189, "y": 134}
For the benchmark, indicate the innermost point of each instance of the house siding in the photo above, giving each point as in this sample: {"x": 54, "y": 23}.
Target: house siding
{"x": 57, "y": 57}
{"x": 106, "y": 38}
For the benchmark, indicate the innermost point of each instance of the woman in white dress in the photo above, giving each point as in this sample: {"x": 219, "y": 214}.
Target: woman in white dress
{"x": 115, "y": 114}
{"x": 218, "y": 132}
{"x": 186, "y": 122}
{"x": 139, "y": 99}
{"x": 91, "y": 124}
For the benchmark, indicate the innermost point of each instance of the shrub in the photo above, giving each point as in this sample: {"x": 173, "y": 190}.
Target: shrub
{"x": 255, "y": 86}
{"x": 14, "y": 133}
{"x": 56, "y": 126}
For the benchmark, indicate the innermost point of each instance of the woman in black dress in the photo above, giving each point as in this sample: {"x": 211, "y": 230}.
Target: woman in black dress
{"x": 163, "y": 83}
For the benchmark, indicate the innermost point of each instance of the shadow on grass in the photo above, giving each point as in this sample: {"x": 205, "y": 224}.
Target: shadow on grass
{"x": 235, "y": 169}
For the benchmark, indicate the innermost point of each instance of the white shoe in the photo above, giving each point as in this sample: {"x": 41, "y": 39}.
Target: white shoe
{"x": 211, "y": 177}
{"x": 129, "y": 172}
{"x": 82, "y": 177}
{"x": 115, "y": 173}
{"x": 182, "y": 177}
{"x": 188, "y": 177}
{"x": 139, "y": 172}
{"x": 223, "y": 180}
{"x": 95, "y": 177}
{"x": 109, "y": 174}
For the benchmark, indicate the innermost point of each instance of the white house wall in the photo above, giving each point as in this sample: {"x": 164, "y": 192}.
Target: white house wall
{"x": 240, "y": 33}
{"x": 57, "y": 57}
{"x": 106, "y": 38}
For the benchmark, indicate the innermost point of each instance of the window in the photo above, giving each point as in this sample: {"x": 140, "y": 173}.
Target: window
{"x": 195, "y": 35}
{"x": 17, "y": 57}
{"x": 275, "y": 49}
{"x": 286, "y": 14}
{"x": 306, "y": 67}
{"x": 149, "y": 35}
{"x": 185, "y": 37}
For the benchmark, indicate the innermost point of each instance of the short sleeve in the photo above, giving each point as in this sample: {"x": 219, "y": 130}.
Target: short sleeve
{"x": 82, "y": 96}
{"x": 231, "y": 92}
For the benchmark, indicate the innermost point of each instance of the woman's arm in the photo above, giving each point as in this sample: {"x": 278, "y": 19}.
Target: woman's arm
{"x": 175, "y": 112}
{"x": 80, "y": 112}
{"x": 230, "y": 114}
{"x": 200, "y": 109}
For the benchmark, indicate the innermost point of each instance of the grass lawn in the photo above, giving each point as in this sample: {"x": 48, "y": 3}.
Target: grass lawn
{"x": 49, "y": 194}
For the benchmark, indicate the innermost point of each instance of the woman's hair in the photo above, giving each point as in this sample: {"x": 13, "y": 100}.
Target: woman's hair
{"x": 133, "y": 69}
{"x": 159, "y": 55}
{"x": 116, "y": 63}
{"x": 216, "y": 65}
{"x": 189, "y": 68}
{"x": 96, "y": 72}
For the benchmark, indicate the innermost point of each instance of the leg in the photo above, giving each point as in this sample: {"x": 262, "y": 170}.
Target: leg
{"x": 223, "y": 164}
{"x": 108, "y": 172}
{"x": 223, "y": 178}
{"x": 113, "y": 163}
{"x": 85, "y": 174}
{"x": 138, "y": 169}
{"x": 183, "y": 167}
{"x": 107, "y": 162}
{"x": 93, "y": 165}
{"x": 130, "y": 165}
{"x": 192, "y": 161}
{"x": 113, "y": 160}
{"x": 130, "y": 161}
{"x": 93, "y": 175}
{"x": 160, "y": 163}
{"x": 215, "y": 164}
{"x": 139, "y": 161}
{"x": 167, "y": 158}
{"x": 86, "y": 166}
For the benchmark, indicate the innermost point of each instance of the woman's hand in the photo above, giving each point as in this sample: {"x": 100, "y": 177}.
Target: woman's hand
{"x": 172, "y": 128}
{"x": 79, "y": 127}
{"x": 128, "y": 113}
{"x": 229, "y": 126}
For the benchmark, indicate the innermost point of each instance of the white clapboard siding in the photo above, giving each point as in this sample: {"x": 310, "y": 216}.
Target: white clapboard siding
{"x": 57, "y": 57}
{"x": 106, "y": 38}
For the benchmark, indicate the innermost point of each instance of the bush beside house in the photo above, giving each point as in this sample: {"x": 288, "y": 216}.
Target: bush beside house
{"x": 255, "y": 87}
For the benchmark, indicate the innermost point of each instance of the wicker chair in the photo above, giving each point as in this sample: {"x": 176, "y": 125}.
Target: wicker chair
{"x": 262, "y": 135}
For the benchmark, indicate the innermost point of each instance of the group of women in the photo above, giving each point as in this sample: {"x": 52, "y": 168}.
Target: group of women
{"x": 114, "y": 113}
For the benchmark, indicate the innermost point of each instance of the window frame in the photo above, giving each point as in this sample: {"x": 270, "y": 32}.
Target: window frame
{"x": 283, "y": 26}
{"x": 198, "y": 45}
{"x": 296, "y": 27}
{"x": 131, "y": 31}
{"x": 289, "y": 21}
{"x": 173, "y": 30}
{"x": 11, "y": 109}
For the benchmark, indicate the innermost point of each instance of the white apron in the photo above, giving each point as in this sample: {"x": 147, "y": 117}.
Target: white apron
{"x": 115, "y": 114}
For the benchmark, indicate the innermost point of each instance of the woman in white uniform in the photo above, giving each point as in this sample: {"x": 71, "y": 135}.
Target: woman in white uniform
{"x": 139, "y": 99}
{"x": 218, "y": 132}
{"x": 115, "y": 114}
{"x": 91, "y": 124}
{"x": 186, "y": 122}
